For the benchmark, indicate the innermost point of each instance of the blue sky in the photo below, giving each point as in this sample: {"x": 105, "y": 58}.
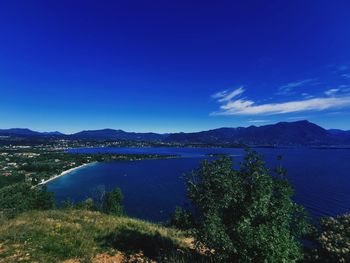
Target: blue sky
{"x": 168, "y": 66}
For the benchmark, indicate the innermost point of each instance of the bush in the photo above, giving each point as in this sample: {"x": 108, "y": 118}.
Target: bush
{"x": 67, "y": 204}
{"x": 8, "y": 180}
{"x": 87, "y": 204}
{"x": 245, "y": 215}
{"x": 112, "y": 202}
{"x": 181, "y": 219}
{"x": 22, "y": 197}
{"x": 105, "y": 202}
{"x": 331, "y": 241}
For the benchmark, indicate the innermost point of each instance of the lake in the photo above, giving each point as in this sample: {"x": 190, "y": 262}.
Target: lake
{"x": 152, "y": 188}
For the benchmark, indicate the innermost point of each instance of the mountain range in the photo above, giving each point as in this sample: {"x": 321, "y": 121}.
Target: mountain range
{"x": 19, "y": 132}
{"x": 279, "y": 134}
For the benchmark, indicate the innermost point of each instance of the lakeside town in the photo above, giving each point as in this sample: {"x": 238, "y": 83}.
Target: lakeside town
{"x": 37, "y": 162}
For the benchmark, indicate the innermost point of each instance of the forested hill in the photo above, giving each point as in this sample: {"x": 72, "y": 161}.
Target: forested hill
{"x": 302, "y": 133}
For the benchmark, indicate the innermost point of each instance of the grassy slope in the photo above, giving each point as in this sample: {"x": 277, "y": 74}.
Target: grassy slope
{"x": 58, "y": 235}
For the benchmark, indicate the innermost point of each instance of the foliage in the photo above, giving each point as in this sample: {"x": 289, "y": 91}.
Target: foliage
{"x": 331, "y": 240}
{"x": 181, "y": 219}
{"x": 67, "y": 204}
{"x": 102, "y": 201}
{"x": 87, "y": 204}
{"x": 245, "y": 215}
{"x": 112, "y": 202}
{"x": 22, "y": 197}
{"x": 98, "y": 194}
{"x": 8, "y": 180}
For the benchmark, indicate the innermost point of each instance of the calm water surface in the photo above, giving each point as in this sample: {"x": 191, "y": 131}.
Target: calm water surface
{"x": 152, "y": 188}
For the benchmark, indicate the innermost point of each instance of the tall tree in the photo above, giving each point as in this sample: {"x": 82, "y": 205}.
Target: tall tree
{"x": 112, "y": 202}
{"x": 246, "y": 215}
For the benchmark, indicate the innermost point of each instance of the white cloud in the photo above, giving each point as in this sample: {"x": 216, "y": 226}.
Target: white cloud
{"x": 219, "y": 94}
{"x": 346, "y": 75}
{"x": 258, "y": 121}
{"x": 331, "y": 92}
{"x": 288, "y": 89}
{"x": 306, "y": 95}
{"x": 297, "y": 118}
{"x": 249, "y": 107}
{"x": 295, "y": 84}
{"x": 225, "y": 95}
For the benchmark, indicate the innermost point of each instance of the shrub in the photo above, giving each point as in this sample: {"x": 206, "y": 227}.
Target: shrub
{"x": 331, "y": 240}
{"x": 22, "y": 197}
{"x": 245, "y": 215}
{"x": 112, "y": 202}
{"x": 67, "y": 204}
{"x": 87, "y": 204}
{"x": 181, "y": 219}
{"x": 8, "y": 180}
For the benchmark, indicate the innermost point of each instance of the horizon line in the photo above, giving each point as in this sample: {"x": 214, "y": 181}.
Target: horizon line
{"x": 163, "y": 133}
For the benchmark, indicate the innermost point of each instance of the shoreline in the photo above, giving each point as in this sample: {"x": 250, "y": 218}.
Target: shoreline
{"x": 64, "y": 173}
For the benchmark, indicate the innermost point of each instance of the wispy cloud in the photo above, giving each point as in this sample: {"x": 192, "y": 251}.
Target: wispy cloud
{"x": 297, "y": 83}
{"x": 249, "y": 107}
{"x": 306, "y": 95}
{"x": 297, "y": 118}
{"x": 288, "y": 88}
{"x": 331, "y": 92}
{"x": 226, "y": 95}
{"x": 347, "y": 76}
{"x": 258, "y": 121}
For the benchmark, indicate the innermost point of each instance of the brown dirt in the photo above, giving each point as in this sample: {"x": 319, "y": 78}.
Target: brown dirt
{"x": 71, "y": 261}
{"x": 105, "y": 258}
{"x": 117, "y": 258}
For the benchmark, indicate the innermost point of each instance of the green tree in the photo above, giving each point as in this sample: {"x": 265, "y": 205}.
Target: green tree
{"x": 331, "y": 240}
{"x": 22, "y": 197}
{"x": 181, "y": 219}
{"x": 112, "y": 202}
{"x": 67, "y": 204}
{"x": 245, "y": 215}
{"x": 8, "y": 180}
{"x": 87, "y": 204}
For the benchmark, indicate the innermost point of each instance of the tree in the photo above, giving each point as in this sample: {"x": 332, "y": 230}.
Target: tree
{"x": 181, "y": 219}
{"x": 8, "y": 180}
{"x": 97, "y": 194}
{"x": 22, "y": 197}
{"x": 331, "y": 240}
{"x": 245, "y": 215}
{"x": 87, "y": 204}
{"x": 112, "y": 202}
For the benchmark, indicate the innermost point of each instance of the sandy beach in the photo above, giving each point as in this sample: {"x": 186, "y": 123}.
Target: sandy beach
{"x": 64, "y": 173}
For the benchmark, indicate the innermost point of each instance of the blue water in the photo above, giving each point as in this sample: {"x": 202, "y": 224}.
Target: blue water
{"x": 152, "y": 188}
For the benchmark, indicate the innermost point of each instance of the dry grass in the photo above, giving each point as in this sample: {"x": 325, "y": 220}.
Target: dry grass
{"x": 85, "y": 236}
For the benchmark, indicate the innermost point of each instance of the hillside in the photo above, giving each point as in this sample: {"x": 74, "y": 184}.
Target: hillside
{"x": 282, "y": 133}
{"x": 18, "y": 132}
{"x": 118, "y": 135}
{"x": 85, "y": 236}
{"x": 24, "y": 132}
